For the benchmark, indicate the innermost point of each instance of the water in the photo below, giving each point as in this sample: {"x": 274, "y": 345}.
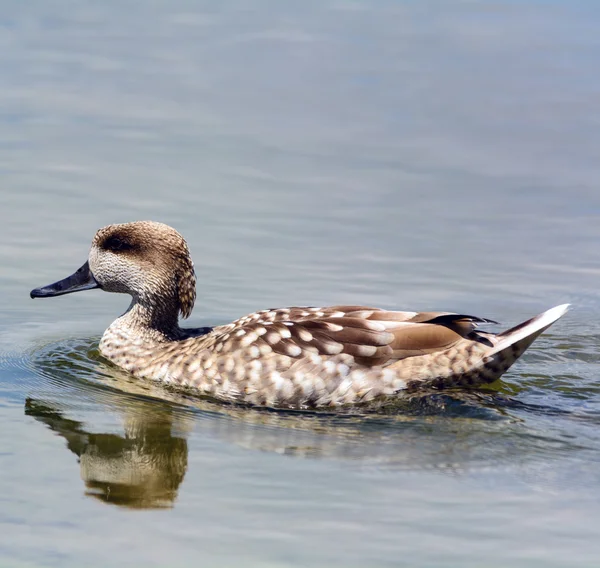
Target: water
{"x": 397, "y": 154}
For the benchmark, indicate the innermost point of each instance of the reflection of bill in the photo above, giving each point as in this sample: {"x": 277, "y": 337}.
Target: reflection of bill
{"x": 141, "y": 469}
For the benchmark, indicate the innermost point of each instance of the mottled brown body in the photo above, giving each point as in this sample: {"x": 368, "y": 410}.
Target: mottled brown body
{"x": 289, "y": 357}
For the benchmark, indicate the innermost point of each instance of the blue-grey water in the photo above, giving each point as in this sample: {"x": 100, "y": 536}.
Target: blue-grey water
{"x": 410, "y": 155}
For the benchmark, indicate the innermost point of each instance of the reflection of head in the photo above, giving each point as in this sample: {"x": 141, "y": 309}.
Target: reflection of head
{"x": 138, "y": 473}
{"x": 142, "y": 469}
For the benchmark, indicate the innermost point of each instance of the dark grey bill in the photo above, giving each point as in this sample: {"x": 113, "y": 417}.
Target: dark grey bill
{"x": 81, "y": 280}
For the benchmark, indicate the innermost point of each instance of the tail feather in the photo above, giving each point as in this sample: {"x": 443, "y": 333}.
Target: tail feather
{"x": 521, "y": 336}
{"x": 512, "y": 343}
{"x": 492, "y": 357}
{"x": 488, "y": 356}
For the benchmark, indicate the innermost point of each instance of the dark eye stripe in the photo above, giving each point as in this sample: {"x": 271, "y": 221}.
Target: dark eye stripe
{"x": 116, "y": 244}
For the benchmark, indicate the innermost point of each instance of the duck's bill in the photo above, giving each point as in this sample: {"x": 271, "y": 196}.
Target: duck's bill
{"x": 83, "y": 279}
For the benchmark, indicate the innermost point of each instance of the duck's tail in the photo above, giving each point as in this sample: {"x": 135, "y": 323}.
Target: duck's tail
{"x": 509, "y": 345}
{"x": 483, "y": 358}
{"x": 522, "y": 336}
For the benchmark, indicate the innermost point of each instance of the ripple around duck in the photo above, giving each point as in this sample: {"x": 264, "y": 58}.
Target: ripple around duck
{"x": 452, "y": 431}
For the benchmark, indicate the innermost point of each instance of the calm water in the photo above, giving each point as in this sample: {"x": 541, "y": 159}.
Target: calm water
{"x": 401, "y": 154}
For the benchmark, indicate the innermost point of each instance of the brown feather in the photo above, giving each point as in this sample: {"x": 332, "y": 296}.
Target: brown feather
{"x": 372, "y": 336}
{"x": 325, "y": 344}
{"x": 368, "y": 352}
{"x": 424, "y": 337}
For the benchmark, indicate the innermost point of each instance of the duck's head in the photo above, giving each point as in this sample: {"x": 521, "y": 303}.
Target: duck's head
{"x": 149, "y": 261}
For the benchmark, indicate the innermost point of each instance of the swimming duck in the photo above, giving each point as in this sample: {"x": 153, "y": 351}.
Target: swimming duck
{"x": 300, "y": 357}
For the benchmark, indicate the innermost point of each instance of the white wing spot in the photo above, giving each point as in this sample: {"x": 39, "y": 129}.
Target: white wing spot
{"x": 293, "y": 350}
{"x": 249, "y": 339}
{"x": 315, "y": 358}
{"x": 277, "y": 379}
{"x": 273, "y": 337}
{"x": 332, "y": 348}
{"x": 366, "y": 350}
{"x": 358, "y": 376}
{"x": 305, "y": 335}
{"x": 375, "y": 326}
{"x": 264, "y": 349}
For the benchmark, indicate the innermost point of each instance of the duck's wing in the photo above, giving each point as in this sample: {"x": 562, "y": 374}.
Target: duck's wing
{"x": 374, "y": 337}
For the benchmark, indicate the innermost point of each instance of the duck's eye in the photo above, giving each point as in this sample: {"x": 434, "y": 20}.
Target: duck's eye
{"x": 117, "y": 244}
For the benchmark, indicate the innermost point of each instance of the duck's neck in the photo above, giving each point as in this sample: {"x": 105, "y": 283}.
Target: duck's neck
{"x": 149, "y": 321}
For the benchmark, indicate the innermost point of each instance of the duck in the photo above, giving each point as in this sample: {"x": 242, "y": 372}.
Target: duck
{"x": 290, "y": 358}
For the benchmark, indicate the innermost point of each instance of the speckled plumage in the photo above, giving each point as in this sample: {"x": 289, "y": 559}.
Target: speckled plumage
{"x": 289, "y": 357}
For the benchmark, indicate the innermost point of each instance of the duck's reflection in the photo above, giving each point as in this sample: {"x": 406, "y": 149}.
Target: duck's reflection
{"x": 142, "y": 468}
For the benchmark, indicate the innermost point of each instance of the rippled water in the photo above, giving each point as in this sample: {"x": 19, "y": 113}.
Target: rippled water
{"x": 393, "y": 154}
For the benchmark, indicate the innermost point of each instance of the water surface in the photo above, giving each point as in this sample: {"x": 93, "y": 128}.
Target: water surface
{"x": 389, "y": 153}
